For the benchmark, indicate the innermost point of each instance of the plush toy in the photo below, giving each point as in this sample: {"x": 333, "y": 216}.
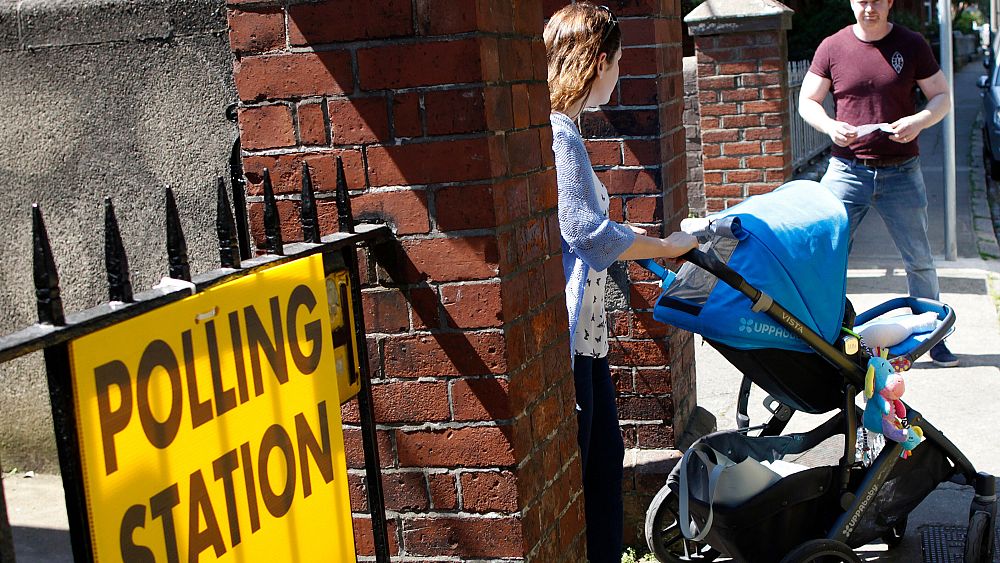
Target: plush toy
{"x": 885, "y": 413}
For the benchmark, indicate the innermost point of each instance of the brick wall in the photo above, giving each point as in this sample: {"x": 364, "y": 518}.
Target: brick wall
{"x": 692, "y": 132}
{"x": 439, "y": 109}
{"x": 742, "y": 56}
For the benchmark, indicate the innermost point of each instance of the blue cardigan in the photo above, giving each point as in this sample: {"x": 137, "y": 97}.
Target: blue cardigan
{"x": 589, "y": 239}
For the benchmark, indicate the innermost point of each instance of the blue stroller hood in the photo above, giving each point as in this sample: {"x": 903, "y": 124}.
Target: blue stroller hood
{"x": 791, "y": 244}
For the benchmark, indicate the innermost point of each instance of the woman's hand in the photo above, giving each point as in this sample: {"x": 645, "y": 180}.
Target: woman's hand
{"x": 679, "y": 243}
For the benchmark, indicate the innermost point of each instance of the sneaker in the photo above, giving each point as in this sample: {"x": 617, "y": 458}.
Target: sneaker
{"x": 942, "y": 356}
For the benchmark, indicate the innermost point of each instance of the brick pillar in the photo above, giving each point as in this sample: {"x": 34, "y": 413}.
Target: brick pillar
{"x": 637, "y": 146}
{"x": 440, "y": 111}
{"x": 742, "y": 55}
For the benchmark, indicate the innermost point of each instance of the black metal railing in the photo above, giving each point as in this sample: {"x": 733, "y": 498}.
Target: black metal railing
{"x": 55, "y": 330}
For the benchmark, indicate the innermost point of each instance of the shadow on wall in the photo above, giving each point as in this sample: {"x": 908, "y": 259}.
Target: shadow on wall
{"x": 89, "y": 112}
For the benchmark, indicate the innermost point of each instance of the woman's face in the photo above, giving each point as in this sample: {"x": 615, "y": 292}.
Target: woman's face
{"x": 607, "y": 79}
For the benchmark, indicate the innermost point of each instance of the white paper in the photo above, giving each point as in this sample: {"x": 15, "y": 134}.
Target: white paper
{"x": 872, "y": 127}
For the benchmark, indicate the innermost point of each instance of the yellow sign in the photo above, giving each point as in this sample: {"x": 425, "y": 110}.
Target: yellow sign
{"x": 210, "y": 428}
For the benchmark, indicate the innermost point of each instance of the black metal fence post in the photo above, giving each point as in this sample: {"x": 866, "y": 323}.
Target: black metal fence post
{"x": 369, "y": 435}
{"x": 308, "y": 214}
{"x": 177, "y": 253}
{"x": 57, "y": 368}
{"x": 272, "y": 220}
{"x": 239, "y": 185}
{"x": 115, "y": 260}
{"x": 229, "y": 253}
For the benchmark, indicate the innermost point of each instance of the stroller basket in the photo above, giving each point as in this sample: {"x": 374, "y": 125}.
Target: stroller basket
{"x": 804, "y": 504}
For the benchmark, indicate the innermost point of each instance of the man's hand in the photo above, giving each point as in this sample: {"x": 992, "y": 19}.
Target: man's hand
{"x": 842, "y": 134}
{"x": 637, "y": 230}
{"x": 906, "y": 129}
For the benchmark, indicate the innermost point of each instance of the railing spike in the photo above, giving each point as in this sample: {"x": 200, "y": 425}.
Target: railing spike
{"x": 345, "y": 218}
{"x": 239, "y": 186}
{"x": 47, "y": 295}
{"x": 272, "y": 221}
{"x": 115, "y": 259}
{"x": 176, "y": 245}
{"x": 229, "y": 252}
{"x": 308, "y": 214}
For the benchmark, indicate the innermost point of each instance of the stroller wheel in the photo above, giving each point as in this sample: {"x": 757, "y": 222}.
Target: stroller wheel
{"x": 894, "y": 536}
{"x": 827, "y": 551}
{"x": 663, "y": 532}
{"x": 979, "y": 539}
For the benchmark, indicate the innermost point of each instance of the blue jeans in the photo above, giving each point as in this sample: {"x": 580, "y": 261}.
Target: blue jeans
{"x": 602, "y": 452}
{"x": 898, "y": 195}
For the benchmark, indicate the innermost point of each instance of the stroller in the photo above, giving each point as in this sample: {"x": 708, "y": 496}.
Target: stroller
{"x": 781, "y": 317}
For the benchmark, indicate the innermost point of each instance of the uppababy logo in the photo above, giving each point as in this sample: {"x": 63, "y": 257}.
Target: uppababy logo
{"x": 751, "y": 326}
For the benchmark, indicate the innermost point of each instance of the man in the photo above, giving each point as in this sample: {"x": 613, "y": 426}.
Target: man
{"x": 871, "y": 68}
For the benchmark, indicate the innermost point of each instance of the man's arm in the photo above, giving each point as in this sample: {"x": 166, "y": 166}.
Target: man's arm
{"x": 935, "y": 88}
{"x": 813, "y": 92}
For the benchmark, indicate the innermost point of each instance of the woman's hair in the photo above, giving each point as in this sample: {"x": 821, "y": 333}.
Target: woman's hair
{"x": 575, "y": 37}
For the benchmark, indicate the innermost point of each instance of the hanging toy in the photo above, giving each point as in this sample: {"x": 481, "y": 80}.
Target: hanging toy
{"x": 885, "y": 412}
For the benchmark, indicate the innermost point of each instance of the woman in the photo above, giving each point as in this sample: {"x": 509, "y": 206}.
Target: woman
{"x": 583, "y": 47}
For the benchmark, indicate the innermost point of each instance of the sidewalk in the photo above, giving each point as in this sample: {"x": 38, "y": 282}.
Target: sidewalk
{"x": 956, "y": 400}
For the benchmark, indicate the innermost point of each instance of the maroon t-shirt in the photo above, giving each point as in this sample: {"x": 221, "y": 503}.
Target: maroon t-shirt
{"x": 872, "y": 82}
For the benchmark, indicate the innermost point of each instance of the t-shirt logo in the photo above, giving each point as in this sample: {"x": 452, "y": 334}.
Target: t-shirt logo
{"x": 897, "y": 62}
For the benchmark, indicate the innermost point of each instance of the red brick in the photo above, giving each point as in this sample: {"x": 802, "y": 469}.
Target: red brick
{"x": 405, "y": 491}
{"x": 743, "y": 176}
{"x": 523, "y": 151}
{"x": 428, "y": 163}
{"x": 479, "y": 538}
{"x": 354, "y": 449}
{"x": 359, "y": 120}
{"x": 644, "y": 408}
{"x": 653, "y": 382}
{"x": 406, "y": 115}
{"x": 404, "y": 210}
{"x": 770, "y": 106}
{"x": 465, "y": 207}
{"x": 445, "y": 17}
{"x": 521, "y": 105}
{"x": 479, "y": 446}
{"x": 426, "y": 304}
{"x": 740, "y": 121}
{"x": 266, "y": 127}
{"x": 762, "y": 133}
{"x": 288, "y": 216}
{"x": 293, "y": 75}
{"x": 329, "y": 22}
{"x": 655, "y": 436}
{"x": 720, "y": 109}
{"x": 737, "y": 67}
{"x": 547, "y": 415}
{"x": 750, "y": 147}
{"x": 538, "y": 102}
{"x": 724, "y": 191}
{"x": 312, "y": 124}
{"x": 638, "y": 61}
{"x": 445, "y": 355}
{"x": 641, "y": 153}
{"x": 421, "y": 64}
{"x": 472, "y": 305}
{"x": 638, "y": 91}
{"x": 444, "y": 494}
{"x": 528, "y": 18}
{"x": 644, "y": 209}
{"x": 451, "y": 112}
{"x": 408, "y": 401}
{"x": 510, "y": 200}
{"x": 364, "y": 542}
{"x": 256, "y": 30}
{"x": 286, "y": 171}
{"x": 489, "y": 491}
{"x": 638, "y": 353}
{"x": 719, "y": 135}
{"x": 498, "y": 108}
{"x": 516, "y": 59}
{"x": 480, "y": 399}
{"x": 385, "y": 311}
{"x": 721, "y": 163}
{"x": 766, "y": 162}
{"x": 605, "y": 153}
{"x": 449, "y": 259}
{"x": 630, "y": 181}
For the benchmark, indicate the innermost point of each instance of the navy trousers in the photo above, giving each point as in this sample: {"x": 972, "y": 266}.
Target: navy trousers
{"x": 602, "y": 452}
